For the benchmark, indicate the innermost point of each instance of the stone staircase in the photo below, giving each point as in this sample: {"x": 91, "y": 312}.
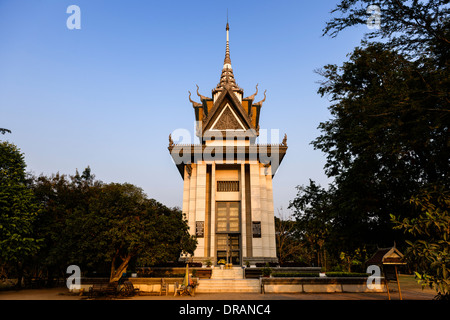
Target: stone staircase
{"x": 229, "y": 274}
{"x": 228, "y": 280}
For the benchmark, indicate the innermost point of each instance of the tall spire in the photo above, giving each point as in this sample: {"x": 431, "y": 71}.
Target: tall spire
{"x": 227, "y": 61}
{"x": 227, "y": 76}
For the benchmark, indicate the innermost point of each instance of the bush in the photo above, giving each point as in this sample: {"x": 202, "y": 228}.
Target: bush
{"x": 291, "y": 264}
{"x": 161, "y": 275}
{"x": 266, "y": 264}
{"x": 178, "y": 264}
{"x": 294, "y": 274}
{"x": 346, "y": 274}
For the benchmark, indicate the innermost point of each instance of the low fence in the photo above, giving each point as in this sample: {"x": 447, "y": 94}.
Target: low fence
{"x": 268, "y": 285}
{"x": 165, "y": 272}
{"x": 154, "y": 285}
{"x": 319, "y": 285}
{"x": 145, "y": 285}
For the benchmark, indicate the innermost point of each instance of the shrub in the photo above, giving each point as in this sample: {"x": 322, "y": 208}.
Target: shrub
{"x": 294, "y": 274}
{"x": 266, "y": 271}
{"x": 346, "y": 274}
{"x": 291, "y": 264}
{"x": 267, "y": 264}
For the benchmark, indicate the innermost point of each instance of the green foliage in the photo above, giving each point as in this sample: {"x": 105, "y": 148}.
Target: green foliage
{"x": 12, "y": 164}
{"x": 294, "y": 274}
{"x": 288, "y": 241}
{"x": 412, "y": 26}
{"x": 388, "y": 134}
{"x": 429, "y": 252}
{"x": 64, "y": 199}
{"x": 311, "y": 210}
{"x": 355, "y": 260}
{"x": 346, "y": 274}
{"x": 266, "y": 270}
{"x": 93, "y": 225}
{"x": 18, "y": 210}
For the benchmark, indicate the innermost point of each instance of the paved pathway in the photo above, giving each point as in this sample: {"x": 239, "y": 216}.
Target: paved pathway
{"x": 409, "y": 288}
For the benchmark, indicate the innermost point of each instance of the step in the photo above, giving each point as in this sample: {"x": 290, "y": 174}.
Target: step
{"x": 223, "y": 285}
{"x": 233, "y": 273}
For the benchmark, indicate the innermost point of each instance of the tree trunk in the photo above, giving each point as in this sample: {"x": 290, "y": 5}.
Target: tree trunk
{"x": 116, "y": 274}
{"x": 19, "y": 275}
{"x": 50, "y": 282}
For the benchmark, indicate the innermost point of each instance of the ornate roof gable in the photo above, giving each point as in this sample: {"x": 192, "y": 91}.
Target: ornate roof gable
{"x": 227, "y": 120}
{"x": 227, "y": 98}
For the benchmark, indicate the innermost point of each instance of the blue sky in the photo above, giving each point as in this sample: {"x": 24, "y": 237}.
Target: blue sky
{"x": 108, "y": 95}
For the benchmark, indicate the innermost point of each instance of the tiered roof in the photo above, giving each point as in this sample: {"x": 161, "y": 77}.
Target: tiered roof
{"x": 242, "y": 114}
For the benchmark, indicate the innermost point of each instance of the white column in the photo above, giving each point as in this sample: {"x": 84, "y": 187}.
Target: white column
{"x": 193, "y": 201}
{"x": 200, "y": 205}
{"x": 243, "y": 214}
{"x": 264, "y": 219}
{"x": 213, "y": 211}
{"x": 186, "y": 188}
{"x": 186, "y": 200}
{"x": 271, "y": 214}
{"x": 256, "y": 206}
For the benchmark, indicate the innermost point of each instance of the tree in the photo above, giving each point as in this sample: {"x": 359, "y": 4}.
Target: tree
{"x": 121, "y": 224}
{"x": 18, "y": 211}
{"x": 170, "y": 237}
{"x": 382, "y": 117}
{"x": 289, "y": 246}
{"x": 105, "y": 227}
{"x": 429, "y": 252}
{"x": 413, "y": 27}
{"x": 61, "y": 197}
{"x": 388, "y": 136}
{"x": 417, "y": 30}
{"x": 313, "y": 219}
{"x": 379, "y": 145}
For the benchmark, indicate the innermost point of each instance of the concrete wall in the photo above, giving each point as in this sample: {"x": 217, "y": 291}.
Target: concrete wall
{"x": 271, "y": 285}
{"x": 319, "y": 285}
